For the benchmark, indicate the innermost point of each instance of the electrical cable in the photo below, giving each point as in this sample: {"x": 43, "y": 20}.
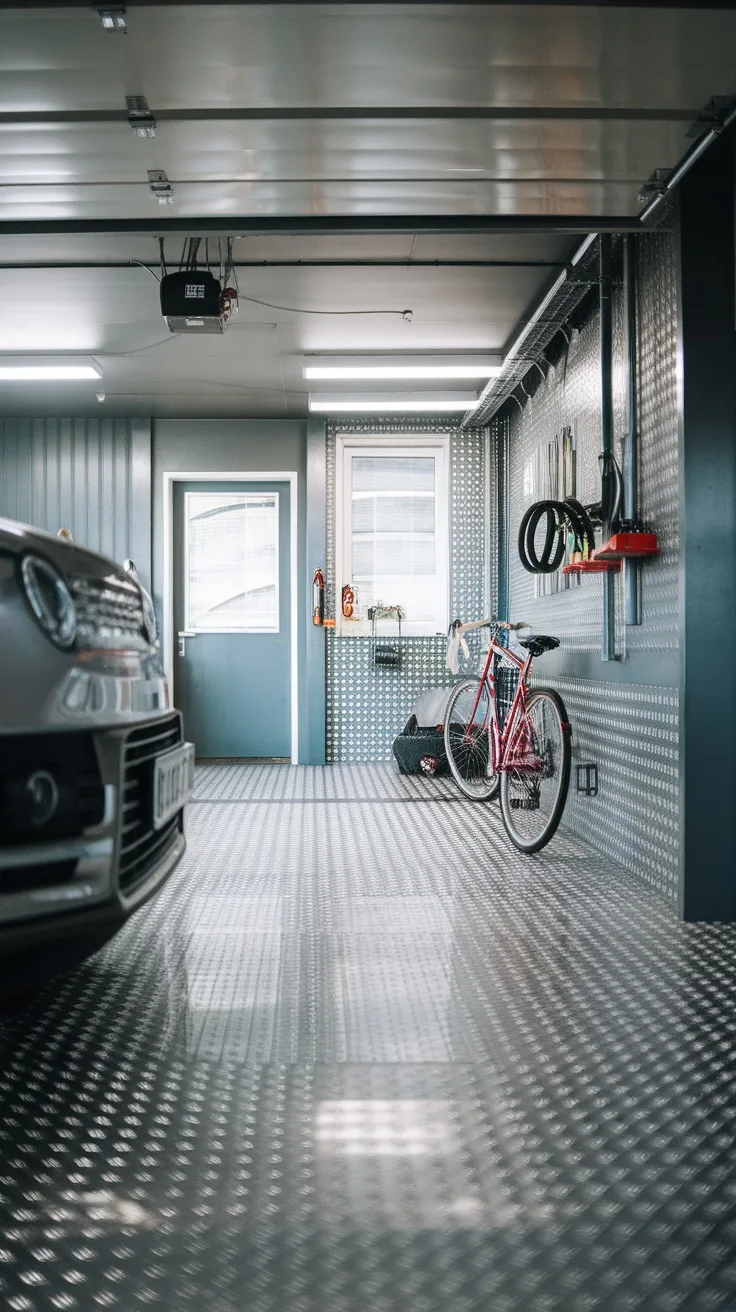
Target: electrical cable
{"x": 141, "y": 265}
{"x": 611, "y": 507}
{"x": 113, "y": 355}
{"x": 228, "y": 276}
{"x": 295, "y": 309}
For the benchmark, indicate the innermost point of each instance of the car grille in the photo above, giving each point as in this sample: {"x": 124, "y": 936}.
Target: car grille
{"x": 141, "y": 846}
{"x": 109, "y": 613}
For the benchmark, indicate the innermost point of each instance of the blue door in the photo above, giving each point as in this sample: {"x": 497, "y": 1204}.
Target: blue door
{"x": 232, "y": 616}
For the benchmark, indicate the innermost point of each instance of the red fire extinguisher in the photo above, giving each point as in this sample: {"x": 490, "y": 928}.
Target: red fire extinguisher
{"x": 318, "y": 598}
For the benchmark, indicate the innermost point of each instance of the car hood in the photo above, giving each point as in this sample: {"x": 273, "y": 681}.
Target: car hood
{"x": 69, "y": 559}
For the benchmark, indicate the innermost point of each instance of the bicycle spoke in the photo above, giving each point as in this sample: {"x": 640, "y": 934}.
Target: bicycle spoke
{"x": 467, "y": 742}
{"x": 532, "y": 799}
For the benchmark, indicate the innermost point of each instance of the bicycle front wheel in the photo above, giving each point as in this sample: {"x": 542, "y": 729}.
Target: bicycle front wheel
{"x": 467, "y": 741}
{"x": 532, "y": 801}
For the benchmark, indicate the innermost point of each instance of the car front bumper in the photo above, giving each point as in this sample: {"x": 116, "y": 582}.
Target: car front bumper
{"x": 98, "y": 878}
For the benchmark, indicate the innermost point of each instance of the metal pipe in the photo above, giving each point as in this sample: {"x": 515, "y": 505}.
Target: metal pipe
{"x": 632, "y": 569}
{"x": 506, "y": 557}
{"x": 489, "y": 453}
{"x": 692, "y": 157}
{"x": 608, "y": 650}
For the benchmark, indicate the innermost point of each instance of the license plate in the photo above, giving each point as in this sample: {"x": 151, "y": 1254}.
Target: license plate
{"x": 173, "y": 780}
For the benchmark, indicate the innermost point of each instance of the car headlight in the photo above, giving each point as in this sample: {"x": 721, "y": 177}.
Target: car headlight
{"x": 50, "y": 600}
{"x": 149, "y": 618}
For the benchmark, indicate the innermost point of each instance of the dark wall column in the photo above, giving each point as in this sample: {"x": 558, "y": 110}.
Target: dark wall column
{"x": 708, "y": 543}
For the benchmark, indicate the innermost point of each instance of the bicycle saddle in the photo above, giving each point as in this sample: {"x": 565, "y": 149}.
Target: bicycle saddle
{"x": 539, "y": 644}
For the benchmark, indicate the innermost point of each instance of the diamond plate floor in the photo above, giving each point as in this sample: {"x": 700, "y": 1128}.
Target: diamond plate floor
{"x": 357, "y": 1057}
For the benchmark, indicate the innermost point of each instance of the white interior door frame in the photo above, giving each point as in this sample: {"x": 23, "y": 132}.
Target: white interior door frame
{"x": 170, "y": 477}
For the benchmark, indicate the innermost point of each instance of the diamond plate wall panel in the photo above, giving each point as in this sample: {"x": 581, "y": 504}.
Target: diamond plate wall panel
{"x": 571, "y": 395}
{"x": 495, "y": 456}
{"x": 366, "y": 707}
{"x": 468, "y": 510}
{"x": 629, "y": 730}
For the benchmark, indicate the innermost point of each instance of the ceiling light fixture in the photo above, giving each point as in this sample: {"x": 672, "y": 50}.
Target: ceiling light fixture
{"x": 390, "y": 402}
{"x": 48, "y": 368}
{"x": 160, "y": 186}
{"x": 425, "y": 368}
{"x": 113, "y": 19}
{"x": 140, "y": 117}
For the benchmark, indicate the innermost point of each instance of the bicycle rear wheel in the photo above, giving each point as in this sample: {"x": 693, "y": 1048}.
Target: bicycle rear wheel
{"x": 532, "y": 801}
{"x": 467, "y": 741}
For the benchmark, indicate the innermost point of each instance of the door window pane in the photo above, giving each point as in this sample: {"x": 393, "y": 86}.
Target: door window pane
{"x": 232, "y": 569}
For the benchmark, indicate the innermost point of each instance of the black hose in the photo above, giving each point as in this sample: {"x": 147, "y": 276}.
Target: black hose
{"x": 552, "y": 551}
{"x": 611, "y": 503}
{"x": 560, "y": 517}
{"x": 581, "y": 525}
{"x": 570, "y": 515}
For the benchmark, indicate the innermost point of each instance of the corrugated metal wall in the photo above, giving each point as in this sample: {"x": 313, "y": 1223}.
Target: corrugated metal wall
{"x": 92, "y": 476}
{"x": 625, "y": 719}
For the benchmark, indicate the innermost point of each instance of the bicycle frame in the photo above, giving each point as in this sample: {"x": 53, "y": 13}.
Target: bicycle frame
{"x": 511, "y": 747}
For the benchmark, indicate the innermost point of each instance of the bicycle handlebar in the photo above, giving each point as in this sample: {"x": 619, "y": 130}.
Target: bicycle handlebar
{"x": 493, "y": 624}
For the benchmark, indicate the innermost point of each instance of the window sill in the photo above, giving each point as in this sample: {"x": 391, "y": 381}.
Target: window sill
{"x": 362, "y": 629}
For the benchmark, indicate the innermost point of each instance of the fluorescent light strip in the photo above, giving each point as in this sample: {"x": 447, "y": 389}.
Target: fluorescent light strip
{"x": 422, "y": 371}
{"x": 29, "y": 368}
{"x": 393, "y": 403}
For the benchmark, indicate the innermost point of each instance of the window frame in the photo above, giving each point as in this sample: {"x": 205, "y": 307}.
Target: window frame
{"x": 436, "y": 446}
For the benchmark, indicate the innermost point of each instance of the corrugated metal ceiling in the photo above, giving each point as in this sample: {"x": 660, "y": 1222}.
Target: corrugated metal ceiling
{"x": 318, "y": 112}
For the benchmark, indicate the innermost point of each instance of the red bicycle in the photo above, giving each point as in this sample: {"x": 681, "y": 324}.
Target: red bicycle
{"x": 502, "y": 737}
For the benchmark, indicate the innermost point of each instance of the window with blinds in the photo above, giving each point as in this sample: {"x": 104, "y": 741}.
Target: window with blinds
{"x": 394, "y": 531}
{"x": 232, "y": 562}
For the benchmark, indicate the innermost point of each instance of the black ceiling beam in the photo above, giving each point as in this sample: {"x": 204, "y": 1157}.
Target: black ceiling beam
{"x": 356, "y": 113}
{"x": 349, "y": 4}
{"x": 324, "y": 225}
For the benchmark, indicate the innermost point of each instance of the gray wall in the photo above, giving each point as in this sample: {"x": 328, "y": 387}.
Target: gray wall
{"x": 235, "y": 445}
{"x": 92, "y": 476}
{"x": 367, "y": 707}
{"x": 624, "y": 715}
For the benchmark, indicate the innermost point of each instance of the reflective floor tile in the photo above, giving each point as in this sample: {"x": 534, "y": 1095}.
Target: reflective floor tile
{"x": 359, "y": 1054}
